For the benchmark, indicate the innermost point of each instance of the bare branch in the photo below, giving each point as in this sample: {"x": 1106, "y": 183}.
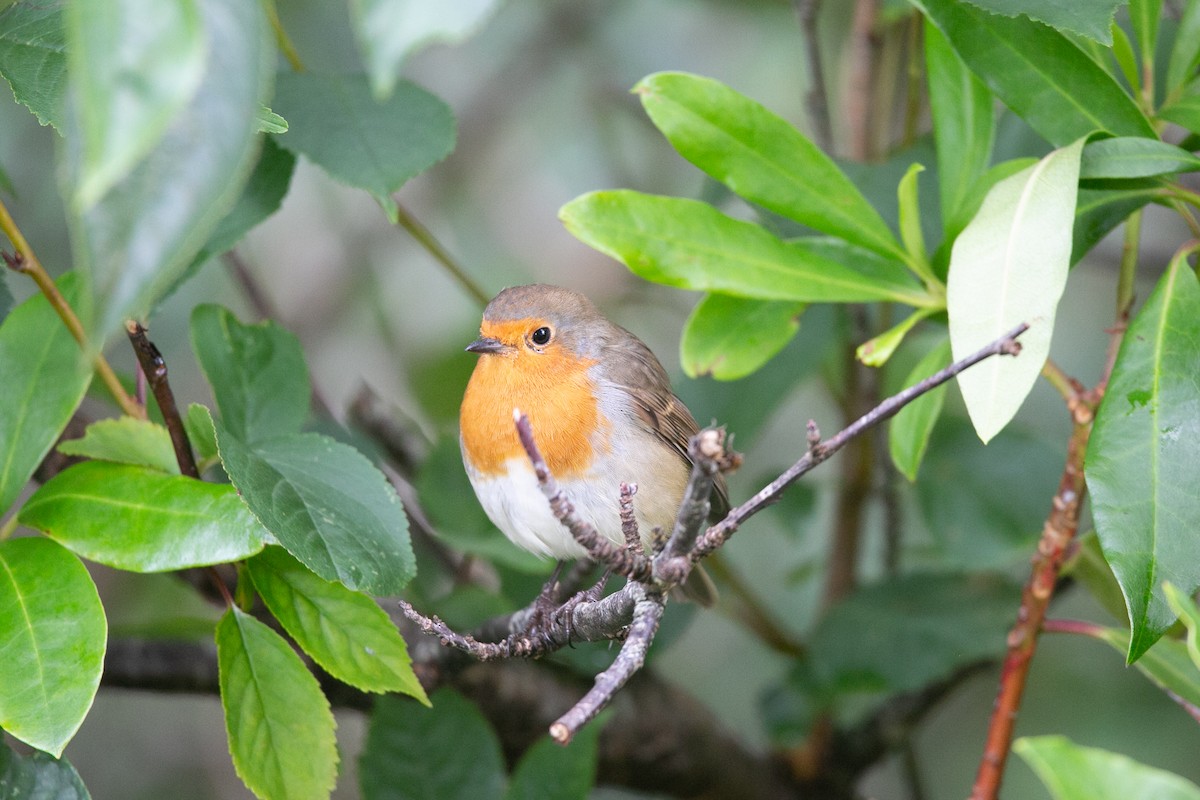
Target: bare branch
{"x": 154, "y": 367}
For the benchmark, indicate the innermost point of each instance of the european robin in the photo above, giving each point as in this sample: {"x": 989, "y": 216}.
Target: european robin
{"x": 602, "y": 412}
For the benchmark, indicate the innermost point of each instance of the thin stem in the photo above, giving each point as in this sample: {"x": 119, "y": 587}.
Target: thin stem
{"x": 426, "y": 239}
{"x": 1129, "y": 259}
{"x": 27, "y": 263}
{"x": 916, "y": 69}
{"x": 816, "y": 99}
{"x": 281, "y": 37}
{"x": 155, "y": 369}
{"x": 1063, "y": 383}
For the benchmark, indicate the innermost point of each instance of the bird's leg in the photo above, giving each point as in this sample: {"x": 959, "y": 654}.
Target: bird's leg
{"x": 589, "y": 595}
{"x": 546, "y": 602}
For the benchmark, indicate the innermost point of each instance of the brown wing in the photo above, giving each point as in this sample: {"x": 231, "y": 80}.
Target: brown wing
{"x": 643, "y": 377}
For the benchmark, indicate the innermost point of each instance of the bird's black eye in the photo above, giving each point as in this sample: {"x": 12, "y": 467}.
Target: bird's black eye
{"x": 541, "y": 336}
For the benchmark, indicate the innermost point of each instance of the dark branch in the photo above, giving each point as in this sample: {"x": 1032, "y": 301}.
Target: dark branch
{"x": 155, "y": 369}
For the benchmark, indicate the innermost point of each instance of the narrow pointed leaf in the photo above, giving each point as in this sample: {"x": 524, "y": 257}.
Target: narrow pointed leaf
{"x": 876, "y": 351}
{"x": 134, "y": 243}
{"x": 345, "y": 632}
{"x": 761, "y": 157}
{"x": 1038, "y": 73}
{"x": 909, "y": 430}
{"x": 133, "y": 65}
{"x": 38, "y": 776}
{"x": 1099, "y": 211}
{"x": 1134, "y": 157}
{"x": 165, "y": 522}
{"x": 1145, "y": 16}
{"x": 33, "y": 58}
{"x": 691, "y": 245}
{"x": 327, "y": 504}
{"x": 52, "y": 640}
{"x": 257, "y": 373}
{"x": 281, "y": 731}
{"x": 963, "y": 123}
{"x": 1184, "y": 112}
{"x": 1167, "y": 664}
{"x": 389, "y": 30}
{"x": 1090, "y": 18}
{"x": 1009, "y": 266}
{"x": 44, "y": 379}
{"x": 448, "y": 751}
{"x": 1185, "y": 54}
{"x": 1141, "y": 463}
{"x": 125, "y": 440}
{"x": 731, "y": 337}
{"x": 908, "y": 193}
{"x": 336, "y": 123}
{"x": 1072, "y": 772}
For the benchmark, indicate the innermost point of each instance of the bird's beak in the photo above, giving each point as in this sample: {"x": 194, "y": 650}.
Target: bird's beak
{"x": 486, "y": 344}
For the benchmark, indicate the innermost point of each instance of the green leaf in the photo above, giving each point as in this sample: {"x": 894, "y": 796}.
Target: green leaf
{"x": 1098, "y": 211}
{"x": 199, "y": 426}
{"x": 1185, "y": 54}
{"x": 1090, "y": 18}
{"x": 1008, "y": 266}
{"x": 1166, "y": 664}
{"x": 327, "y": 504}
{"x": 376, "y": 146}
{"x": 761, "y": 157}
{"x": 731, "y": 337}
{"x": 1088, "y": 566}
{"x": 448, "y": 752}
{"x": 1145, "y": 15}
{"x": 1184, "y": 112}
{"x": 973, "y": 202}
{"x": 689, "y": 244}
{"x": 549, "y": 771}
{"x": 915, "y": 629}
{"x": 1189, "y": 614}
{"x": 44, "y": 378}
{"x": 909, "y": 430}
{"x": 139, "y": 519}
{"x": 279, "y": 724}
{"x": 1141, "y": 464}
{"x": 1122, "y": 52}
{"x": 1038, "y": 73}
{"x": 52, "y": 648}
{"x": 268, "y": 121}
{"x": 1072, "y": 772}
{"x": 910, "y": 219}
{"x": 388, "y": 31}
{"x": 38, "y": 776}
{"x": 963, "y": 123}
{"x": 876, "y": 351}
{"x": 132, "y": 66}
{"x": 125, "y": 440}
{"x": 345, "y": 632}
{"x": 33, "y": 58}
{"x": 133, "y": 244}
{"x": 257, "y": 374}
{"x": 1134, "y": 157}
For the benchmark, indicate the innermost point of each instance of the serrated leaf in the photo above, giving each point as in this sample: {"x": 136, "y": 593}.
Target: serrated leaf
{"x": 166, "y": 522}
{"x": 549, "y": 771}
{"x": 336, "y": 123}
{"x": 388, "y": 31}
{"x": 125, "y": 440}
{"x": 1166, "y": 664}
{"x": 257, "y": 373}
{"x": 913, "y": 630}
{"x": 133, "y": 244}
{"x": 1189, "y": 615}
{"x": 761, "y": 157}
{"x": 1090, "y": 18}
{"x": 1009, "y": 266}
{"x": 1134, "y": 157}
{"x": 52, "y": 642}
{"x": 689, "y": 244}
{"x": 345, "y": 632}
{"x": 33, "y": 58}
{"x": 281, "y": 731}
{"x": 730, "y": 337}
{"x": 963, "y": 122}
{"x": 38, "y": 776}
{"x": 132, "y": 67}
{"x": 1038, "y": 73}
{"x": 44, "y": 379}
{"x": 909, "y": 430}
{"x": 1141, "y": 464}
{"x": 327, "y": 504}
{"x": 448, "y": 751}
{"x": 1072, "y": 772}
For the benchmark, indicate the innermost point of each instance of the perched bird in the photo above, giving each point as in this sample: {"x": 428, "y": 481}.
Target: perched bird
{"x": 602, "y": 412}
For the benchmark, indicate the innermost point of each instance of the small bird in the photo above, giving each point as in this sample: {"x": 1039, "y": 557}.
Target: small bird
{"x": 602, "y": 412}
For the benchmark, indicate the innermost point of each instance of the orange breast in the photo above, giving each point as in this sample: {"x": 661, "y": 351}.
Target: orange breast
{"x": 554, "y": 391}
